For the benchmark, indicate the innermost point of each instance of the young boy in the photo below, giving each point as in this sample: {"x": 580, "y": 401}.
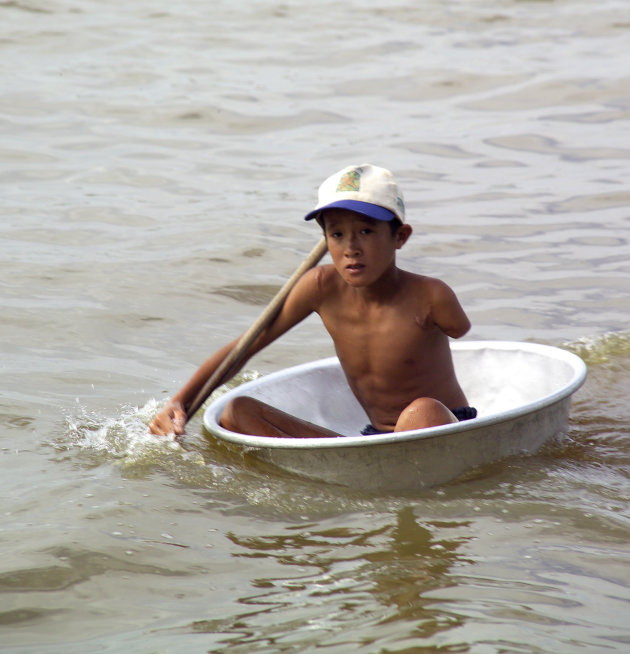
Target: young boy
{"x": 390, "y": 327}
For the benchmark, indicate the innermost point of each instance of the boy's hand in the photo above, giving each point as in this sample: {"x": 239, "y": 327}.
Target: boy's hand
{"x": 170, "y": 420}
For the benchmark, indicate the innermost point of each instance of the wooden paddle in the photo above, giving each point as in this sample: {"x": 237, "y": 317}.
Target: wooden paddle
{"x": 265, "y": 319}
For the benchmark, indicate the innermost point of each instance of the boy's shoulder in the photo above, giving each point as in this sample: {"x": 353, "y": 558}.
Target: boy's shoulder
{"x": 321, "y": 277}
{"x": 422, "y": 282}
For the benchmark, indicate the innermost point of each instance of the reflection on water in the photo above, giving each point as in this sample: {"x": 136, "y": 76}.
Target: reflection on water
{"x": 337, "y": 568}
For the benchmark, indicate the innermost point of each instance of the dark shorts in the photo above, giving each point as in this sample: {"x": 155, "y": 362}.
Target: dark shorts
{"x": 461, "y": 413}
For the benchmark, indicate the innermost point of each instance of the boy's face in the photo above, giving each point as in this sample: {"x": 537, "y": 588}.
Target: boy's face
{"x": 362, "y": 249}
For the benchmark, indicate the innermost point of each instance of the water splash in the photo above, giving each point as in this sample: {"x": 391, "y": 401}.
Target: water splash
{"x": 603, "y": 348}
{"x": 124, "y": 436}
{"x": 125, "y": 441}
{"x": 127, "y": 435}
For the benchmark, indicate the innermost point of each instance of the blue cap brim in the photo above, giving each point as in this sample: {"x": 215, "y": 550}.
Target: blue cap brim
{"x": 364, "y": 208}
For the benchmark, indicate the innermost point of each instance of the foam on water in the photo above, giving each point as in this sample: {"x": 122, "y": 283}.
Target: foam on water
{"x": 127, "y": 435}
{"x": 603, "y": 348}
{"x": 124, "y": 440}
{"x": 123, "y": 436}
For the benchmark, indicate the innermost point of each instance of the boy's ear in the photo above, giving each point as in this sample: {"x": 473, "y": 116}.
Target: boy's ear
{"x": 403, "y": 234}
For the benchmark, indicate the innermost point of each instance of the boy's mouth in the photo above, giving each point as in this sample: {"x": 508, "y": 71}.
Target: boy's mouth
{"x": 355, "y": 266}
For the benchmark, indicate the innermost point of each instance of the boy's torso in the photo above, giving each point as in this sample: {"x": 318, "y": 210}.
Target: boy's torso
{"x": 391, "y": 350}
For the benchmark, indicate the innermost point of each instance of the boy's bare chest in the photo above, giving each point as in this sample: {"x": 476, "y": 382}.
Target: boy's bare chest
{"x": 381, "y": 331}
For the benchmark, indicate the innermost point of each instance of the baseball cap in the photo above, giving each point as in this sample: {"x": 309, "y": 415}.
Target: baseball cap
{"x": 364, "y": 189}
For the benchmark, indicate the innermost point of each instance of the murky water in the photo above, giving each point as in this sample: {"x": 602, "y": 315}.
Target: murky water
{"x": 155, "y": 162}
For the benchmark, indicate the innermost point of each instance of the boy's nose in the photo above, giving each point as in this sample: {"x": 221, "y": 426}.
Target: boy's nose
{"x": 352, "y": 245}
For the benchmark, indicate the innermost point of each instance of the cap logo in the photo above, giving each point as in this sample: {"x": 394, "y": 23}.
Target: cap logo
{"x": 350, "y": 181}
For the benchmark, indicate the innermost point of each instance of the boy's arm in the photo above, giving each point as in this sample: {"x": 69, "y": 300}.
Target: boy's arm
{"x": 301, "y": 301}
{"x": 446, "y": 311}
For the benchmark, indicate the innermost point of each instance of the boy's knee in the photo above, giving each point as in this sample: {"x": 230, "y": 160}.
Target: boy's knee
{"x": 424, "y": 412}
{"x": 230, "y": 412}
{"x": 238, "y": 406}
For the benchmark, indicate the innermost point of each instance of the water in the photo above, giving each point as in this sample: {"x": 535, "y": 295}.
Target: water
{"x": 155, "y": 161}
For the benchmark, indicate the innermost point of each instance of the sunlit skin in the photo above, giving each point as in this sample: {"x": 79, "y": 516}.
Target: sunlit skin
{"x": 390, "y": 329}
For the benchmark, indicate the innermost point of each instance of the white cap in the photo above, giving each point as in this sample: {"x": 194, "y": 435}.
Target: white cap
{"x": 364, "y": 189}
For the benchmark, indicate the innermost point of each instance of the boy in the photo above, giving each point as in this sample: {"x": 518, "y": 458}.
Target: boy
{"x": 390, "y": 327}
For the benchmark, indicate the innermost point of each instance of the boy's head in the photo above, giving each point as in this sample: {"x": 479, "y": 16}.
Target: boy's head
{"x": 365, "y": 189}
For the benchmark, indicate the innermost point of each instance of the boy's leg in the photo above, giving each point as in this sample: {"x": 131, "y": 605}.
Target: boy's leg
{"x": 246, "y": 415}
{"x": 424, "y": 412}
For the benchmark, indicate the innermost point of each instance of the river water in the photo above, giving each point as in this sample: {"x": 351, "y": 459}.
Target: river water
{"x": 156, "y": 159}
